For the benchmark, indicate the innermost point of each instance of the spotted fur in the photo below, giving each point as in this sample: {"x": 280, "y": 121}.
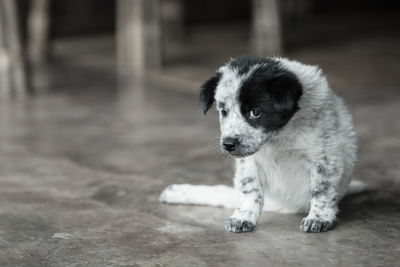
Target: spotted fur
{"x": 296, "y": 157}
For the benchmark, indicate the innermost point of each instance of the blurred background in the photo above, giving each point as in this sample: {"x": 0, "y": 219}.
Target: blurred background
{"x": 99, "y": 112}
{"x": 185, "y": 40}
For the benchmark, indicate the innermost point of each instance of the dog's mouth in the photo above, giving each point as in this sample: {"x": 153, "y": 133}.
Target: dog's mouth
{"x": 241, "y": 155}
{"x": 240, "y": 152}
{"x": 243, "y": 147}
{"x": 245, "y": 150}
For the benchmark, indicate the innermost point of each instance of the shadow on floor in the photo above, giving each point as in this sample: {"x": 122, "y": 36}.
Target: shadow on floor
{"x": 370, "y": 205}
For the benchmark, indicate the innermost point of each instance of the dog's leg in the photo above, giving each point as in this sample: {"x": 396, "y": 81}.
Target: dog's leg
{"x": 325, "y": 179}
{"x": 251, "y": 198}
{"x": 218, "y": 195}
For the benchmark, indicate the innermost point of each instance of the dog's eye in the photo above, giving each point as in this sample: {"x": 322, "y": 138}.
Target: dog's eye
{"x": 224, "y": 112}
{"x": 255, "y": 113}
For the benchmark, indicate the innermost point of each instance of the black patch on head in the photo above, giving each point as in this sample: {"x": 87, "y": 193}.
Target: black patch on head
{"x": 208, "y": 91}
{"x": 270, "y": 88}
{"x": 243, "y": 64}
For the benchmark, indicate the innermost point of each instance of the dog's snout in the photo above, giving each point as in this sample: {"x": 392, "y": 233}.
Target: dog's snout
{"x": 230, "y": 144}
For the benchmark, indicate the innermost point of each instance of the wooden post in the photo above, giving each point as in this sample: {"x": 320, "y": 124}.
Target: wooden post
{"x": 172, "y": 27}
{"x": 296, "y": 17}
{"x": 138, "y": 37}
{"x": 11, "y": 39}
{"x": 266, "y": 29}
{"x": 38, "y": 31}
{"x": 5, "y": 85}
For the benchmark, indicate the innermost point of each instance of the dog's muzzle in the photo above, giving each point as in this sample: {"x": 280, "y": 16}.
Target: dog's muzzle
{"x": 230, "y": 144}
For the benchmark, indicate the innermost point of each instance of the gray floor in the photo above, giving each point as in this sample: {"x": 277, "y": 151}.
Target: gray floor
{"x": 82, "y": 165}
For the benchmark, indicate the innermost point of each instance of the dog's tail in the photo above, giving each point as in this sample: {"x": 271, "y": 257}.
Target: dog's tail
{"x": 217, "y": 195}
{"x": 356, "y": 186}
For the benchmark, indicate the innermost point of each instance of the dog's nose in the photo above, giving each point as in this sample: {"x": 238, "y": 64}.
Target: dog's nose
{"x": 230, "y": 144}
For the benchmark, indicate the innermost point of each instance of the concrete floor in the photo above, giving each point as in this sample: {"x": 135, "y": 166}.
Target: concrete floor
{"x": 82, "y": 165}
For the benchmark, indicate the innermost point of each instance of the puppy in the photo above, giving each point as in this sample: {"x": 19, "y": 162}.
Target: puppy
{"x": 292, "y": 139}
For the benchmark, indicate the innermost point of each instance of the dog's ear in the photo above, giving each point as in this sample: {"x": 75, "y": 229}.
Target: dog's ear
{"x": 207, "y": 92}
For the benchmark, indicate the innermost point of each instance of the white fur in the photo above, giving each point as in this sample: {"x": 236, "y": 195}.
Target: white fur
{"x": 287, "y": 168}
{"x": 222, "y": 196}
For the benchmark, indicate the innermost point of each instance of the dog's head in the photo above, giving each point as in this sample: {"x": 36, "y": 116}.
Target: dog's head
{"x": 255, "y": 98}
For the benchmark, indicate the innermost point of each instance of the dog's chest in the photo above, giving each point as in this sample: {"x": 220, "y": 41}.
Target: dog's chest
{"x": 285, "y": 178}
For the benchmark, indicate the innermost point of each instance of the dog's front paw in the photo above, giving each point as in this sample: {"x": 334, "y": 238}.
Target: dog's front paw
{"x": 315, "y": 225}
{"x": 238, "y": 226}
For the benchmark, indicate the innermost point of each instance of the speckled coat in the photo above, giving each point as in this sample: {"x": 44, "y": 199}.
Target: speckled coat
{"x": 299, "y": 161}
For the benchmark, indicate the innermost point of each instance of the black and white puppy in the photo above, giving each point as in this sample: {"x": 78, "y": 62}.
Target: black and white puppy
{"x": 292, "y": 139}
